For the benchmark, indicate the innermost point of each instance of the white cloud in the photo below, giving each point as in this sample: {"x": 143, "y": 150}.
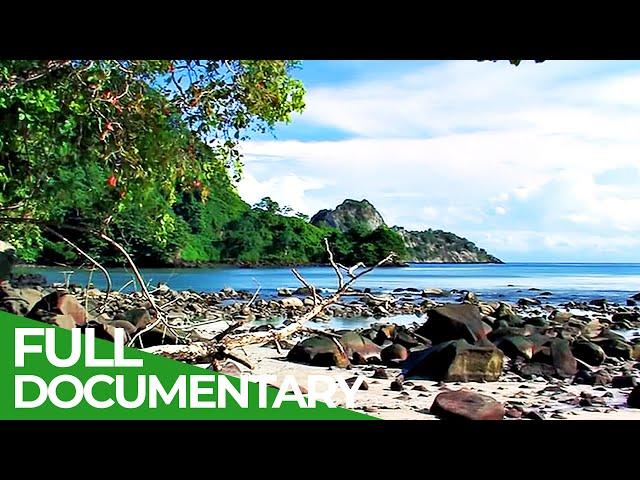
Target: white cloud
{"x": 490, "y": 147}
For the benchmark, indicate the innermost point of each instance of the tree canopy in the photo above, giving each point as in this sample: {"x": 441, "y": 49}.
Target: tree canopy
{"x": 99, "y": 140}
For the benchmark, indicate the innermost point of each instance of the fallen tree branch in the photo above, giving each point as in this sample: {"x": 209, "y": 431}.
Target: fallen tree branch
{"x": 223, "y": 343}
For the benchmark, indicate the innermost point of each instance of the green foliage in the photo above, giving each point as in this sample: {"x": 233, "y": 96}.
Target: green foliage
{"x": 116, "y": 143}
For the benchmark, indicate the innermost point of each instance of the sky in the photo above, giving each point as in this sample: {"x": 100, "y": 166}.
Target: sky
{"x": 535, "y": 163}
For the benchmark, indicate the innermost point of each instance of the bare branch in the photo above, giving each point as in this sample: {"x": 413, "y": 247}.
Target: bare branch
{"x": 88, "y": 257}
{"x": 333, "y": 264}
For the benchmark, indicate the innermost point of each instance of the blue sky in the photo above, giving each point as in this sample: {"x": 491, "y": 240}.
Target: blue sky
{"x": 539, "y": 162}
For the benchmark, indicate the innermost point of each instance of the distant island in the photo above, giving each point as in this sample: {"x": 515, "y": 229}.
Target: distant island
{"x": 429, "y": 246}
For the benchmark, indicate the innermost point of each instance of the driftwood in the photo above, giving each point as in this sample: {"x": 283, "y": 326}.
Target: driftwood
{"x": 222, "y": 344}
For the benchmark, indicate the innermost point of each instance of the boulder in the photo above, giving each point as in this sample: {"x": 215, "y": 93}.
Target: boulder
{"x": 624, "y": 381}
{"x": 505, "y": 313}
{"x": 588, "y": 352}
{"x": 453, "y": 322}
{"x": 525, "y": 302}
{"x": 433, "y": 292}
{"x": 139, "y": 317}
{"x": 562, "y": 359}
{"x": 58, "y": 303}
{"x": 634, "y": 397}
{"x": 394, "y": 354}
{"x": 466, "y": 405}
{"x": 319, "y": 351}
{"x": 284, "y": 292}
{"x": 625, "y": 317}
{"x": 615, "y": 347}
{"x": 515, "y": 346}
{"x": 292, "y": 302}
{"x": 456, "y": 361}
{"x": 18, "y": 301}
{"x": 360, "y": 349}
{"x": 598, "y": 302}
{"x": 7, "y": 259}
{"x": 557, "y": 353}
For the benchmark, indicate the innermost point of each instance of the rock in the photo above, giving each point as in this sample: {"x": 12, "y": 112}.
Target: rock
{"x": 533, "y": 415}
{"x": 292, "y": 302}
{"x": 453, "y": 322}
{"x": 302, "y": 291}
{"x": 469, "y": 297}
{"x": 525, "y": 302}
{"x": 163, "y": 288}
{"x": 558, "y": 354}
{"x": 631, "y": 303}
{"x": 636, "y": 296}
{"x": 139, "y": 317}
{"x": 380, "y": 373}
{"x": 28, "y": 280}
{"x": 456, "y": 361}
{"x": 615, "y": 347}
{"x": 433, "y": 292}
{"x": 284, "y": 292}
{"x": 634, "y": 397}
{"x": 363, "y": 386}
{"x": 513, "y": 413}
{"x": 7, "y": 259}
{"x": 360, "y": 349}
{"x": 588, "y": 352}
{"x": 625, "y": 317}
{"x": 539, "y": 369}
{"x": 598, "y": 302}
{"x": 18, "y": 301}
{"x": 623, "y": 381}
{"x": 505, "y": 313}
{"x": 560, "y": 316}
{"x": 318, "y": 350}
{"x": 394, "y": 354}
{"x": 229, "y": 292}
{"x": 466, "y": 405}
{"x": 58, "y": 303}
{"x": 635, "y": 351}
{"x": 516, "y": 345}
{"x": 396, "y": 385}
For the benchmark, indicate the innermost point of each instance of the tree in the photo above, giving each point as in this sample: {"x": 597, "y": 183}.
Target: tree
{"x": 106, "y": 136}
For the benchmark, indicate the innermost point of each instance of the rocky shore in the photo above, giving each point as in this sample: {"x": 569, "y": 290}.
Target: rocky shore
{"x": 462, "y": 358}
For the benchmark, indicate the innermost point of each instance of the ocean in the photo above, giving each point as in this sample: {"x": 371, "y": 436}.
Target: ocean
{"x": 510, "y": 281}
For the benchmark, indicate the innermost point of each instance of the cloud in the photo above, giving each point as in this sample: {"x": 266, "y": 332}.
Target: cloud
{"x": 545, "y": 153}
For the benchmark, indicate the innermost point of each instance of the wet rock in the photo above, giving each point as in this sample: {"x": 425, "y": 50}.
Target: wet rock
{"x": 284, "y": 292}
{"x": 229, "y": 292}
{"x": 588, "y": 352}
{"x": 636, "y": 296}
{"x": 456, "y": 361}
{"x": 453, "y": 322}
{"x": 560, "y": 316}
{"x": 58, "y": 303}
{"x": 302, "y": 291}
{"x": 466, "y": 405}
{"x": 623, "y": 381}
{"x": 318, "y": 350}
{"x": 631, "y": 303}
{"x": 394, "y": 354}
{"x": 634, "y": 397}
{"x": 598, "y": 302}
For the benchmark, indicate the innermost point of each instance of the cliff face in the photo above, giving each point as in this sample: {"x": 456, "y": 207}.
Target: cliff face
{"x": 429, "y": 246}
{"x": 349, "y": 215}
{"x": 437, "y": 246}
